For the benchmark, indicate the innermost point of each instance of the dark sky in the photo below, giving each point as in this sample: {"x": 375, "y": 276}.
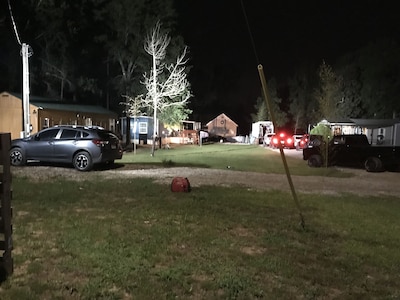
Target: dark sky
{"x": 286, "y": 34}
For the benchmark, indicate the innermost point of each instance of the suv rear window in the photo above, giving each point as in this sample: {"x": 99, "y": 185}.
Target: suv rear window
{"x": 105, "y": 135}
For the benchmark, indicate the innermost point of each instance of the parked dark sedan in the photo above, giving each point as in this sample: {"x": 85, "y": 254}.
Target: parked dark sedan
{"x": 79, "y": 145}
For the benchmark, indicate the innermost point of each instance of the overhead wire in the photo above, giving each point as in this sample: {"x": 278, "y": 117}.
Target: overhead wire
{"x": 14, "y": 25}
{"x": 250, "y": 33}
{"x": 270, "y": 108}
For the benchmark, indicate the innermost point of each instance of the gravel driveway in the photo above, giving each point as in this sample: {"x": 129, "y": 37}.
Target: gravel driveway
{"x": 362, "y": 183}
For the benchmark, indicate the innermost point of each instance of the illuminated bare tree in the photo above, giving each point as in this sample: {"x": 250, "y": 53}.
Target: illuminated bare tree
{"x": 166, "y": 84}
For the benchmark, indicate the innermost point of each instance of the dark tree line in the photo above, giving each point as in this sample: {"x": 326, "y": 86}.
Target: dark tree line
{"x": 361, "y": 84}
{"x": 89, "y": 51}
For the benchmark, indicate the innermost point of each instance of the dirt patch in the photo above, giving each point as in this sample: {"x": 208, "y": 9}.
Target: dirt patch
{"x": 362, "y": 183}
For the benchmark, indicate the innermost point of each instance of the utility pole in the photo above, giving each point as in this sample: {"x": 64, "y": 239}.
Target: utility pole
{"x": 25, "y": 53}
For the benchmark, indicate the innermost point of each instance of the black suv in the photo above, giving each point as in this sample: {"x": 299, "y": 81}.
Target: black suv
{"x": 79, "y": 145}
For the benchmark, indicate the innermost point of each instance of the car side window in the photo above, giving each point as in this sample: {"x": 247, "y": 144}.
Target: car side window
{"x": 48, "y": 134}
{"x": 68, "y": 134}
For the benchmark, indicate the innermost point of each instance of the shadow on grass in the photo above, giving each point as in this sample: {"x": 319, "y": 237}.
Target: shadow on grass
{"x": 123, "y": 166}
{"x": 158, "y": 165}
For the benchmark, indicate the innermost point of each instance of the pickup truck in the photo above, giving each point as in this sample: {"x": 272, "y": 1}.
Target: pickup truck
{"x": 352, "y": 150}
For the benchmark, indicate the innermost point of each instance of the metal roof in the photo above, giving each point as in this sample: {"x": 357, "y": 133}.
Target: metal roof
{"x": 72, "y": 107}
{"x": 366, "y": 123}
{"x": 375, "y": 123}
{"x": 55, "y": 104}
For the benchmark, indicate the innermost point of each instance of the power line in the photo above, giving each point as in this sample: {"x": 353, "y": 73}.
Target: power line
{"x": 270, "y": 108}
{"x": 14, "y": 25}
{"x": 249, "y": 30}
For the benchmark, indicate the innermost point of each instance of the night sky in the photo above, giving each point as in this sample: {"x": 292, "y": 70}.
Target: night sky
{"x": 286, "y": 34}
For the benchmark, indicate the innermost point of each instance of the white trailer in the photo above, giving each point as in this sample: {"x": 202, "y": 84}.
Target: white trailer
{"x": 259, "y": 129}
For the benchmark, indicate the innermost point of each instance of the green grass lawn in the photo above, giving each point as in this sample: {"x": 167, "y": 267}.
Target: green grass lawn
{"x": 239, "y": 157}
{"x": 134, "y": 239}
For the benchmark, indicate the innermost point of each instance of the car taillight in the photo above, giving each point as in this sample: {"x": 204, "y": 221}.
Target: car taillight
{"x": 289, "y": 141}
{"x": 100, "y": 143}
{"x": 275, "y": 140}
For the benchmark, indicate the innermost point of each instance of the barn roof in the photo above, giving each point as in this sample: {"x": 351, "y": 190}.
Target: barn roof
{"x": 222, "y": 116}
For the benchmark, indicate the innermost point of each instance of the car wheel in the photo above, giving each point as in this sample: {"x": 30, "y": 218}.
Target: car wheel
{"x": 373, "y": 164}
{"x": 82, "y": 161}
{"x": 17, "y": 157}
{"x": 315, "y": 161}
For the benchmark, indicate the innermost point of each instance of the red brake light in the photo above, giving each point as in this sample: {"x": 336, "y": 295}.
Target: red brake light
{"x": 99, "y": 143}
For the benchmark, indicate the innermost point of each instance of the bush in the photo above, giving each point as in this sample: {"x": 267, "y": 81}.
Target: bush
{"x": 325, "y": 132}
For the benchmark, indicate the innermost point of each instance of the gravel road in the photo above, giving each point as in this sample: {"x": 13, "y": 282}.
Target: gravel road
{"x": 362, "y": 183}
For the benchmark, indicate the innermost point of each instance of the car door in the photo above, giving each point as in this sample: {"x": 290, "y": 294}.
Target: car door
{"x": 41, "y": 146}
{"x": 337, "y": 154}
{"x": 346, "y": 151}
{"x": 65, "y": 144}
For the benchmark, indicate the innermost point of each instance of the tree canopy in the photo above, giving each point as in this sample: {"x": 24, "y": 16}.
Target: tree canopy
{"x": 364, "y": 83}
{"x": 90, "y": 50}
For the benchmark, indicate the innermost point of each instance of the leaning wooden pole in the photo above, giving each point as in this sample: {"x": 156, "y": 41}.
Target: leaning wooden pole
{"x": 271, "y": 111}
{"x": 6, "y": 241}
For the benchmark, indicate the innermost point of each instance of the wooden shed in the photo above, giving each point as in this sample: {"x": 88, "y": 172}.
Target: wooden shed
{"x": 45, "y": 112}
{"x": 223, "y": 126}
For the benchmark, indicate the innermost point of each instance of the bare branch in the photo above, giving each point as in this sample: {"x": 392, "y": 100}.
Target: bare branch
{"x": 174, "y": 89}
{"x": 156, "y": 43}
{"x": 133, "y": 105}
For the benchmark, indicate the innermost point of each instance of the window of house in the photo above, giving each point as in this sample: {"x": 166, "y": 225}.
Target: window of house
{"x": 142, "y": 128}
{"x": 46, "y": 123}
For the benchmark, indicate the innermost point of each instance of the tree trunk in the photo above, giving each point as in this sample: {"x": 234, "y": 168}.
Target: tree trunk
{"x": 128, "y": 133}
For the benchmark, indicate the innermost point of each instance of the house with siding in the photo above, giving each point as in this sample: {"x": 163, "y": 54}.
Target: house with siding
{"x": 385, "y": 132}
{"x": 222, "y": 126}
{"x": 47, "y": 112}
